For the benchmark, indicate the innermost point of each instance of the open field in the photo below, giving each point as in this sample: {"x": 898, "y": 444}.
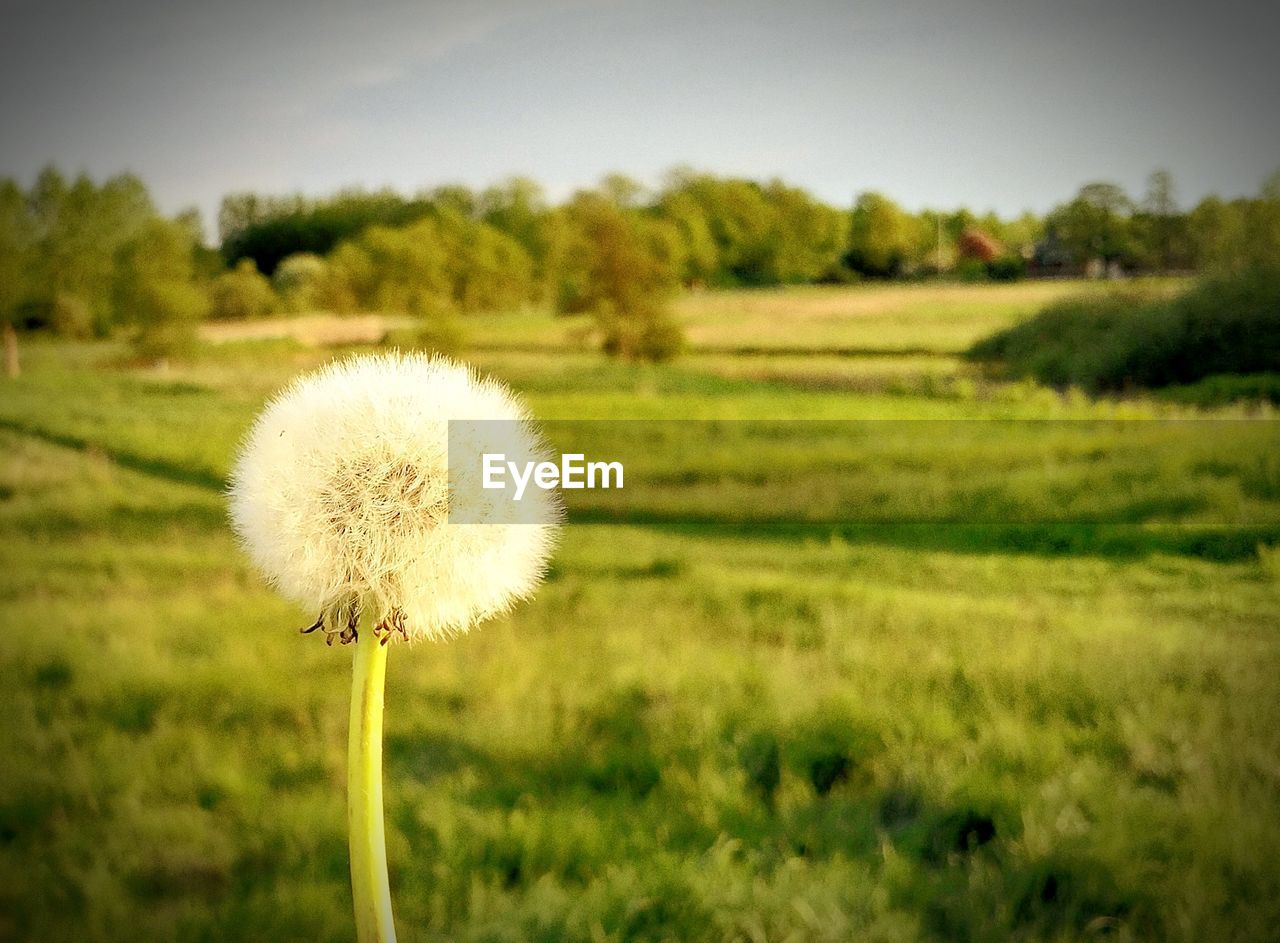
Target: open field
{"x": 904, "y": 338}
{"x": 933, "y": 319}
{"x": 702, "y": 728}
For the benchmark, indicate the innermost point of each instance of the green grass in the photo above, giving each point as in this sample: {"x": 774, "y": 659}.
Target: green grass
{"x": 702, "y": 728}
{"x": 875, "y": 319}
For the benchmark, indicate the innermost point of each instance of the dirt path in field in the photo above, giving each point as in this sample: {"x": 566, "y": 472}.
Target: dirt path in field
{"x": 313, "y": 330}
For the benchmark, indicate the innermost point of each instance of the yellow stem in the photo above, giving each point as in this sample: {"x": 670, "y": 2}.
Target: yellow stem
{"x": 369, "y": 887}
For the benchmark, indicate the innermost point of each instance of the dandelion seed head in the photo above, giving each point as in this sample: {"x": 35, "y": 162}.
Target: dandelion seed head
{"x": 340, "y": 496}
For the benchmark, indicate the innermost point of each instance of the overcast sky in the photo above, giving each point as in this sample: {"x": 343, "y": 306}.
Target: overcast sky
{"x": 991, "y": 104}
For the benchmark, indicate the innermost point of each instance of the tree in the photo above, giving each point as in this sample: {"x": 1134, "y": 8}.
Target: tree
{"x": 78, "y": 229}
{"x": 16, "y": 238}
{"x": 242, "y": 294}
{"x": 741, "y": 232}
{"x": 1021, "y": 234}
{"x": 1096, "y": 224}
{"x": 403, "y": 270}
{"x": 348, "y": 281}
{"x": 621, "y": 276}
{"x": 489, "y": 270}
{"x": 518, "y": 208}
{"x": 455, "y": 197}
{"x": 701, "y": 255}
{"x": 297, "y": 281}
{"x": 155, "y": 289}
{"x": 880, "y": 236}
{"x": 270, "y": 229}
{"x": 1262, "y": 226}
{"x": 238, "y": 212}
{"x": 1240, "y": 234}
{"x": 806, "y": 239}
{"x": 1160, "y": 200}
{"x": 623, "y": 191}
{"x": 485, "y": 269}
{"x": 1216, "y": 227}
{"x": 737, "y": 216}
{"x": 1160, "y": 228}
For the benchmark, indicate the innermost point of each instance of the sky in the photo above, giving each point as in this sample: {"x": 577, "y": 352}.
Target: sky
{"x": 992, "y": 104}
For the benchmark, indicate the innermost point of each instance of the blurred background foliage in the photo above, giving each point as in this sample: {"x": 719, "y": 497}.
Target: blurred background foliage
{"x": 70, "y": 251}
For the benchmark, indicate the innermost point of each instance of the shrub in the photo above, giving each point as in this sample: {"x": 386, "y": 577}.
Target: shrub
{"x": 297, "y": 280}
{"x": 346, "y": 283}
{"x": 487, "y": 269}
{"x": 1229, "y": 324}
{"x": 155, "y": 289}
{"x": 645, "y": 334}
{"x": 1007, "y": 268}
{"x": 69, "y": 316}
{"x": 1074, "y": 341}
{"x": 241, "y": 294}
{"x": 1004, "y": 268}
{"x": 174, "y": 310}
{"x": 1223, "y": 388}
{"x": 971, "y": 270}
{"x": 1127, "y": 338}
{"x": 62, "y": 313}
{"x": 437, "y": 335}
{"x": 620, "y": 272}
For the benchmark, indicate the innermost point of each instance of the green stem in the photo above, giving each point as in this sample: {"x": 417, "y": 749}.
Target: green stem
{"x": 369, "y": 887}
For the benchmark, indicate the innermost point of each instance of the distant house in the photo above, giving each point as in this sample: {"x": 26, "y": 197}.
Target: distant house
{"x": 1098, "y": 267}
{"x": 1051, "y": 258}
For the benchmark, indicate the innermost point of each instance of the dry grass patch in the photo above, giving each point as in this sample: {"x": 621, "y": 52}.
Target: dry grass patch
{"x": 311, "y": 330}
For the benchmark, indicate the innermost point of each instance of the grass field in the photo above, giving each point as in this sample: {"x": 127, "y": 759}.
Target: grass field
{"x": 931, "y": 319}
{"x": 704, "y": 727}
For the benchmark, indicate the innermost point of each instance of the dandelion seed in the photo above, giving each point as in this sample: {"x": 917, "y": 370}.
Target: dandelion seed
{"x": 341, "y": 499}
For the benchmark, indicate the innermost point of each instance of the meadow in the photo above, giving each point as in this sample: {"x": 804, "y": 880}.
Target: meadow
{"x": 930, "y": 319}
{"x": 942, "y": 722}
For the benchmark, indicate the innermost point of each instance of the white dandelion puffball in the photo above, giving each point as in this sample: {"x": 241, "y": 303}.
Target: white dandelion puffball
{"x": 340, "y": 495}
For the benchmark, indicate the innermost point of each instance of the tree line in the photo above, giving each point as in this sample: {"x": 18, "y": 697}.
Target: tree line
{"x": 84, "y": 259}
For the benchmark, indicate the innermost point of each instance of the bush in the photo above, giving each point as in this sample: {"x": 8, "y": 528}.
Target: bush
{"x": 69, "y": 316}
{"x": 407, "y": 270}
{"x": 297, "y": 280}
{"x": 487, "y": 269}
{"x": 434, "y": 335}
{"x": 971, "y": 270}
{"x": 155, "y": 289}
{"x": 647, "y": 334}
{"x": 1007, "y": 268}
{"x": 1126, "y": 338}
{"x": 1221, "y": 389}
{"x": 346, "y": 282}
{"x": 1004, "y": 268}
{"x": 619, "y": 271}
{"x": 174, "y": 310}
{"x": 241, "y": 294}
{"x": 1229, "y": 324}
{"x": 62, "y": 313}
